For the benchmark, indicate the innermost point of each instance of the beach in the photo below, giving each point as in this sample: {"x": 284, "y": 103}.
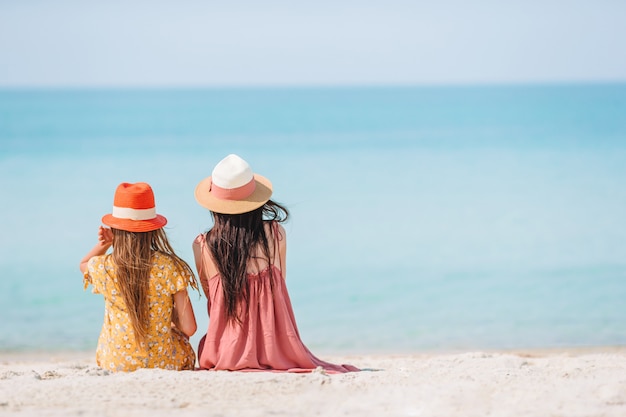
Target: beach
{"x": 565, "y": 382}
{"x": 454, "y": 176}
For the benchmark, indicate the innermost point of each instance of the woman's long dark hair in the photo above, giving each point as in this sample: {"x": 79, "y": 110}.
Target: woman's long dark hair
{"x": 233, "y": 241}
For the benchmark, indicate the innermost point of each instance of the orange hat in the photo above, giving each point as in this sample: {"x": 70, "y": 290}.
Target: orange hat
{"x": 134, "y": 209}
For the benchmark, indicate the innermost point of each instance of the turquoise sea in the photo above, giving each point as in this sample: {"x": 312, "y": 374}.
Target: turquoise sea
{"x": 422, "y": 217}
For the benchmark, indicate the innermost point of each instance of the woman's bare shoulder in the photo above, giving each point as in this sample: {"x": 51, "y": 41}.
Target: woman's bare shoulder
{"x": 201, "y": 238}
{"x": 272, "y": 227}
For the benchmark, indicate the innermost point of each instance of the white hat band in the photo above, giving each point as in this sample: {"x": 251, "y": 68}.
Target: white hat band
{"x": 134, "y": 214}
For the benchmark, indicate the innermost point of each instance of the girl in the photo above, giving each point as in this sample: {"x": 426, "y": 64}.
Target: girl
{"x": 148, "y": 317}
{"x": 241, "y": 266}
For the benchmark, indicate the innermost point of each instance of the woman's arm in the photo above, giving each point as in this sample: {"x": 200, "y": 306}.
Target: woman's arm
{"x": 105, "y": 240}
{"x": 283, "y": 250}
{"x": 183, "y": 316}
{"x": 204, "y": 265}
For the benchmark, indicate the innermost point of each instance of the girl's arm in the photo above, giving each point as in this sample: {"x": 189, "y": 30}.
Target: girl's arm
{"x": 105, "y": 240}
{"x": 183, "y": 316}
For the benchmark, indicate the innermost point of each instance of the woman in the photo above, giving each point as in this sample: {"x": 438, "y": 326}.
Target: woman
{"x": 241, "y": 266}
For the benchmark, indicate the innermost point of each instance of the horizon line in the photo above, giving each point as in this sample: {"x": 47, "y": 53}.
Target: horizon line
{"x": 308, "y": 86}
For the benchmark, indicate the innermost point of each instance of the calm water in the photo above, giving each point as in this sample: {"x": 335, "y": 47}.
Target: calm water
{"x": 422, "y": 218}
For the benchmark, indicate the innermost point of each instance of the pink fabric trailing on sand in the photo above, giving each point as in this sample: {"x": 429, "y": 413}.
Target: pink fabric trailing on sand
{"x": 268, "y": 337}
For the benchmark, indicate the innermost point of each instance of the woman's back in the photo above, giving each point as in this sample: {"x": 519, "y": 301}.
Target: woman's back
{"x": 277, "y": 246}
{"x": 267, "y": 336}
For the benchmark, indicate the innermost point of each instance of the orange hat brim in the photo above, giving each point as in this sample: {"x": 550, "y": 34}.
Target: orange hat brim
{"x": 134, "y": 225}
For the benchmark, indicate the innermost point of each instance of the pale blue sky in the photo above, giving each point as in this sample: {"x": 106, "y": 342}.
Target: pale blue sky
{"x": 324, "y": 42}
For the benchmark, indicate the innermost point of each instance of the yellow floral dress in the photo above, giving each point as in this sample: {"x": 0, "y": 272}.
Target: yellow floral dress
{"x": 166, "y": 347}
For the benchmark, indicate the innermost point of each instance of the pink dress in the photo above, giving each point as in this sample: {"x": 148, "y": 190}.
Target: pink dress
{"x": 268, "y": 338}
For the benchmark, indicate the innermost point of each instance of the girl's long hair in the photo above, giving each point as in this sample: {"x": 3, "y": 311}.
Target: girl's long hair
{"x": 132, "y": 256}
{"x": 233, "y": 241}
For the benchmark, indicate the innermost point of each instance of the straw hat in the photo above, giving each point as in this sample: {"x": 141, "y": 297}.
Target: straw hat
{"x": 134, "y": 209}
{"x": 232, "y": 188}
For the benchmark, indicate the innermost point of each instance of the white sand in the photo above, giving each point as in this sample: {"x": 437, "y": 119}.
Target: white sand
{"x": 574, "y": 383}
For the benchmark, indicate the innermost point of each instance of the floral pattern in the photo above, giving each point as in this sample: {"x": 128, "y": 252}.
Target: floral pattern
{"x": 166, "y": 347}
